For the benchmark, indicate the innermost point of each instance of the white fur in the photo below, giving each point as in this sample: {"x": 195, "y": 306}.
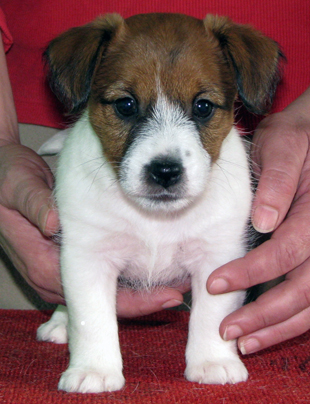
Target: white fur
{"x": 55, "y": 144}
{"x": 111, "y": 228}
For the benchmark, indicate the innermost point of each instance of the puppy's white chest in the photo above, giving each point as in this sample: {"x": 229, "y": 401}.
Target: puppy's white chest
{"x": 155, "y": 263}
{"x": 154, "y": 247}
{"x": 143, "y": 252}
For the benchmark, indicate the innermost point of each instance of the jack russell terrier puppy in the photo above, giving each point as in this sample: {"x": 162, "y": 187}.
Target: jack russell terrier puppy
{"x": 153, "y": 184}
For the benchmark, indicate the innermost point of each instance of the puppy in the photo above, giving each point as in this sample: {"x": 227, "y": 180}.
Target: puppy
{"x": 153, "y": 182}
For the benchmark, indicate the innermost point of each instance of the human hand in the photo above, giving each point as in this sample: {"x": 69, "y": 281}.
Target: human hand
{"x": 27, "y": 215}
{"x": 281, "y": 151}
{"x": 28, "y": 219}
{"x": 132, "y": 303}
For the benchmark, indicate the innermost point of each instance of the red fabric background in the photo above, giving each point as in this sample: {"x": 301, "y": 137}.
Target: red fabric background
{"x": 153, "y": 352}
{"x": 34, "y": 23}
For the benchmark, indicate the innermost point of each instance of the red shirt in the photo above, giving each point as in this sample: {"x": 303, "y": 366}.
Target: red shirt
{"x": 34, "y": 23}
{"x": 6, "y": 35}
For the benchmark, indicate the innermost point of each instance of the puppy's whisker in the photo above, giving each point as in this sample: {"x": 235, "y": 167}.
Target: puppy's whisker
{"x": 90, "y": 161}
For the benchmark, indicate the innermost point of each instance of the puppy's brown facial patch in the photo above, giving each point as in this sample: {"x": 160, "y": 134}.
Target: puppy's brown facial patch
{"x": 161, "y": 55}
{"x": 120, "y": 68}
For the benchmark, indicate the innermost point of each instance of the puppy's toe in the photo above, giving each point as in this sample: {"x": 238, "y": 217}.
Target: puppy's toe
{"x": 90, "y": 381}
{"x": 53, "y": 331}
{"x": 217, "y": 372}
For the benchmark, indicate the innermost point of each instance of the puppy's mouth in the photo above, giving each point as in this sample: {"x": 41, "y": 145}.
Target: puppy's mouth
{"x": 163, "y": 197}
{"x": 162, "y": 200}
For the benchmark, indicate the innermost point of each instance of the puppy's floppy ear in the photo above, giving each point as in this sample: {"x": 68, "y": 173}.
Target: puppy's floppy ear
{"x": 254, "y": 59}
{"x": 74, "y": 56}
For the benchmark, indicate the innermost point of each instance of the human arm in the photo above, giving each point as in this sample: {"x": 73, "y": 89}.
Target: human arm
{"x": 282, "y": 205}
{"x": 27, "y": 214}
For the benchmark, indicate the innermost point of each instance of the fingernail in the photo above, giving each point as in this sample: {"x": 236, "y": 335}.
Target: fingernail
{"x": 232, "y": 332}
{"x": 171, "y": 303}
{"x": 265, "y": 218}
{"x": 42, "y": 217}
{"x": 219, "y": 285}
{"x": 249, "y": 346}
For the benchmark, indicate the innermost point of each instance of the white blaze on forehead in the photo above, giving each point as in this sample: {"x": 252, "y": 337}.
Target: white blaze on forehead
{"x": 169, "y": 121}
{"x": 166, "y": 133}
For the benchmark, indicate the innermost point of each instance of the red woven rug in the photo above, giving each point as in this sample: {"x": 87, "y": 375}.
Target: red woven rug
{"x": 153, "y": 352}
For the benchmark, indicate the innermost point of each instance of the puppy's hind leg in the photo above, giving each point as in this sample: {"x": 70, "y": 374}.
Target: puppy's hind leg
{"x": 55, "y": 330}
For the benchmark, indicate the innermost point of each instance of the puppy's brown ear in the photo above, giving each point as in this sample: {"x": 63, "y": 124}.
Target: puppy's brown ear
{"x": 254, "y": 59}
{"x": 74, "y": 56}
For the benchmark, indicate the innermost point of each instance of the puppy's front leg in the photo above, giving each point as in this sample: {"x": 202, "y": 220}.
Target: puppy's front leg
{"x": 90, "y": 291}
{"x": 209, "y": 358}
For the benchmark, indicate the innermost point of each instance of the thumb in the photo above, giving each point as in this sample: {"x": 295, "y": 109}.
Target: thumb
{"x": 26, "y": 186}
{"x": 34, "y": 200}
{"x": 278, "y": 154}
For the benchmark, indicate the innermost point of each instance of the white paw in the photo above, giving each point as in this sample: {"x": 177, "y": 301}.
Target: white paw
{"x": 53, "y": 331}
{"x": 217, "y": 372}
{"x": 81, "y": 380}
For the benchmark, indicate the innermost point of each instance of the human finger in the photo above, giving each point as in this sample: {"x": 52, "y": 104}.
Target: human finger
{"x": 275, "y": 306}
{"x": 291, "y": 328}
{"x": 26, "y": 186}
{"x": 288, "y": 248}
{"x": 35, "y": 256}
{"x": 278, "y": 153}
{"x": 137, "y": 303}
{"x": 34, "y": 200}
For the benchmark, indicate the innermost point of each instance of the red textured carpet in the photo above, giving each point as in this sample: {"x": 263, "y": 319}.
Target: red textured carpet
{"x": 153, "y": 352}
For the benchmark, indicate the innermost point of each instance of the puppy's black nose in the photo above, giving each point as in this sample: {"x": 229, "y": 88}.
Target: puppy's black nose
{"x": 164, "y": 172}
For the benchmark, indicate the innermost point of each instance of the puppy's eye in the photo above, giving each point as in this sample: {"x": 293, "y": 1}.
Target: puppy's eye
{"x": 203, "y": 109}
{"x": 126, "y": 107}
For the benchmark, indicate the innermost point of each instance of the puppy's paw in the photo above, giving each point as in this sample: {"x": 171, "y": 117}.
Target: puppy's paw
{"x": 81, "y": 380}
{"x": 217, "y": 372}
{"x": 53, "y": 331}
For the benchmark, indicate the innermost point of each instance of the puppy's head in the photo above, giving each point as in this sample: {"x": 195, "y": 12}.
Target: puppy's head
{"x": 160, "y": 90}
